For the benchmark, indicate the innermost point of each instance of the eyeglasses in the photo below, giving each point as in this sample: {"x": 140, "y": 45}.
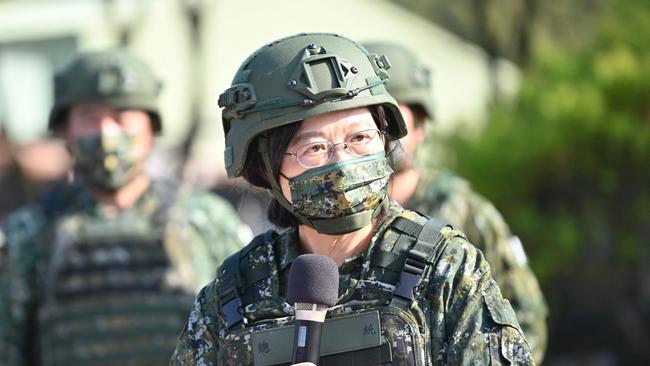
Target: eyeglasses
{"x": 358, "y": 143}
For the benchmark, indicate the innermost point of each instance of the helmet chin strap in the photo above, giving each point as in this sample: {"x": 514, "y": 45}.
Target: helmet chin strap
{"x": 276, "y": 191}
{"x": 330, "y": 226}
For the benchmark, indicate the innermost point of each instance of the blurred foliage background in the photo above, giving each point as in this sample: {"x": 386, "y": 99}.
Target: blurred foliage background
{"x": 567, "y": 162}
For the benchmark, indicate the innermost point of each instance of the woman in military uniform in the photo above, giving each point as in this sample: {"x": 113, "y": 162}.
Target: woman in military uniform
{"x": 308, "y": 118}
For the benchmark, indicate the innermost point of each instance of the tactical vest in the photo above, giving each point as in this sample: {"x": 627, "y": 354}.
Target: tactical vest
{"x": 378, "y": 323}
{"x": 105, "y": 297}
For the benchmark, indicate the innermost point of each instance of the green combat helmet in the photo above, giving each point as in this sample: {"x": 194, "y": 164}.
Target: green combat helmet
{"x": 295, "y": 78}
{"x": 114, "y": 78}
{"x": 410, "y": 79}
{"x": 299, "y": 77}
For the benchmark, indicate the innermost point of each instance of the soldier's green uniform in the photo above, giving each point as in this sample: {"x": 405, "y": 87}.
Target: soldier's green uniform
{"x": 441, "y": 194}
{"x": 459, "y": 316}
{"x": 444, "y": 195}
{"x": 419, "y": 295}
{"x": 84, "y": 285}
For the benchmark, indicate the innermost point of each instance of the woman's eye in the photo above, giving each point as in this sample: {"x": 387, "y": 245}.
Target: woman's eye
{"x": 359, "y": 137}
{"x": 316, "y": 148}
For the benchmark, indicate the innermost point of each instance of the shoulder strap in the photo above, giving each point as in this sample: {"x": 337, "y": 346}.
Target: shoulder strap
{"x": 432, "y": 229}
{"x": 419, "y": 256}
{"x": 234, "y": 279}
{"x": 230, "y": 304}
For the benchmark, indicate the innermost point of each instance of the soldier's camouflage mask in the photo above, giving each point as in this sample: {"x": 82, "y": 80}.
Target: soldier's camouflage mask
{"x": 106, "y": 162}
{"x": 341, "y": 189}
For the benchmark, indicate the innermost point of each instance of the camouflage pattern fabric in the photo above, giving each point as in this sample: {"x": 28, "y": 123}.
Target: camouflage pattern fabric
{"x": 459, "y": 314}
{"x": 80, "y": 285}
{"x": 106, "y": 161}
{"x": 446, "y": 196}
{"x": 342, "y": 188}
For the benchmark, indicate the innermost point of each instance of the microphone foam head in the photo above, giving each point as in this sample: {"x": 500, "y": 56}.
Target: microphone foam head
{"x": 313, "y": 279}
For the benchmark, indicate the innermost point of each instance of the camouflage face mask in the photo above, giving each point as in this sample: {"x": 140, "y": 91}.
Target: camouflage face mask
{"x": 341, "y": 189}
{"x": 106, "y": 162}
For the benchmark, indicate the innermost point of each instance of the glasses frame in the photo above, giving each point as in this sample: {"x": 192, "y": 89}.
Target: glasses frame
{"x": 345, "y": 143}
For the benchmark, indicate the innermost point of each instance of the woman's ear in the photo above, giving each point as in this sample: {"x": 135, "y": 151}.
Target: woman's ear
{"x": 419, "y": 133}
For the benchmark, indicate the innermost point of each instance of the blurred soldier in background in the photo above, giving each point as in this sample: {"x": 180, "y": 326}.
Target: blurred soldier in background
{"x": 104, "y": 270}
{"x": 250, "y": 202}
{"x": 28, "y": 170}
{"x": 11, "y": 177}
{"x": 441, "y": 194}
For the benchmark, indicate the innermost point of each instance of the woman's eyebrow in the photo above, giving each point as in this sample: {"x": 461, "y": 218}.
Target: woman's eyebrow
{"x": 360, "y": 126}
{"x": 352, "y": 127}
{"x": 307, "y": 135}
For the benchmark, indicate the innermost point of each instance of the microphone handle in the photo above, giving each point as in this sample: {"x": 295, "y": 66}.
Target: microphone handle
{"x": 306, "y": 346}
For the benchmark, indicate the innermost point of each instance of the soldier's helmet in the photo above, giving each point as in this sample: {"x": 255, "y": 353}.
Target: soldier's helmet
{"x": 410, "y": 78}
{"x": 298, "y": 77}
{"x": 114, "y": 77}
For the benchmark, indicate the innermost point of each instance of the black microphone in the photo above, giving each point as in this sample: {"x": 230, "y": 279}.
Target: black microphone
{"x": 313, "y": 288}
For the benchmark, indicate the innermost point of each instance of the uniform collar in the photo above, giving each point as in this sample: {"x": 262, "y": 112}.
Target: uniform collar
{"x": 287, "y": 247}
{"x": 146, "y": 205}
{"x": 287, "y": 241}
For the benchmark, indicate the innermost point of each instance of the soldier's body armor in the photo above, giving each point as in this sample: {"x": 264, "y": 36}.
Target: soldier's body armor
{"x": 106, "y": 299}
{"x": 378, "y": 322}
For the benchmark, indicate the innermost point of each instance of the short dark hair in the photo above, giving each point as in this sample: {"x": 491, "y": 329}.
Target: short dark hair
{"x": 279, "y": 138}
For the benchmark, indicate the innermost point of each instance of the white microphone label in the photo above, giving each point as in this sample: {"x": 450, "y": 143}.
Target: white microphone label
{"x": 302, "y": 336}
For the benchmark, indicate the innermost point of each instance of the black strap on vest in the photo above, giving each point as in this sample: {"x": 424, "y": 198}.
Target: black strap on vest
{"x": 229, "y": 287}
{"x": 418, "y": 257}
{"x": 232, "y": 286}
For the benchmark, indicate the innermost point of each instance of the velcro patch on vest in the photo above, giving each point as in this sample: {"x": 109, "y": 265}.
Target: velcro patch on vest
{"x": 362, "y": 332}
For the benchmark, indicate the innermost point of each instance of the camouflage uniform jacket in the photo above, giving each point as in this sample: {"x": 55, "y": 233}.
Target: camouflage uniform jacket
{"x": 462, "y": 318}
{"x": 79, "y": 285}
{"x": 450, "y": 198}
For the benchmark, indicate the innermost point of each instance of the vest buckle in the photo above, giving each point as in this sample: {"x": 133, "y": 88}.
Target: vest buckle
{"x": 231, "y": 308}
